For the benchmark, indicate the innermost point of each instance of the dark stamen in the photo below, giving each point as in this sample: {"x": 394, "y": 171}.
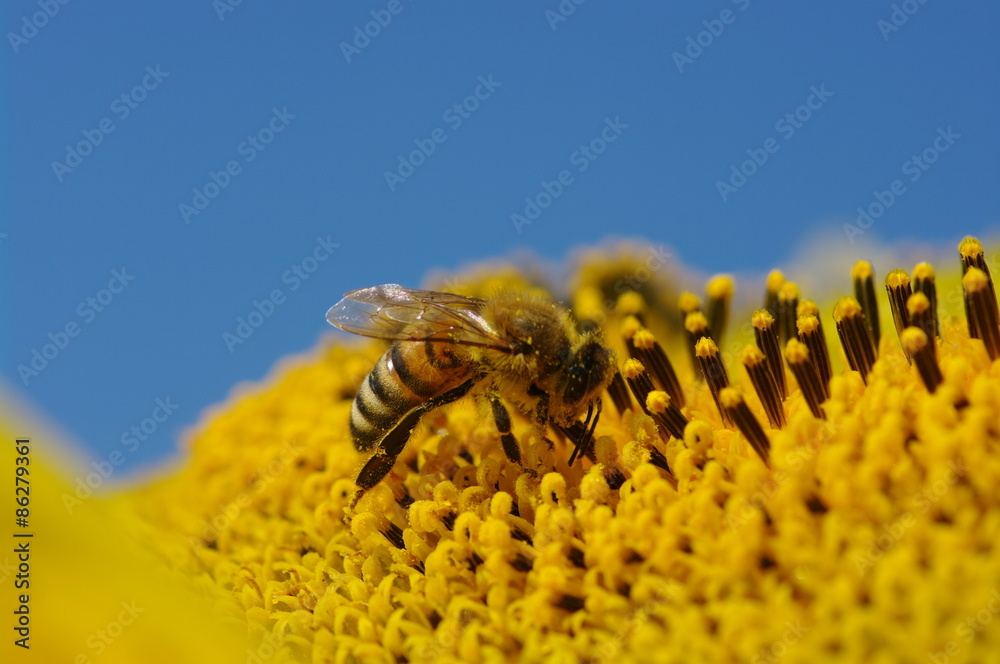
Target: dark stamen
{"x": 811, "y": 335}
{"x": 764, "y": 385}
{"x": 394, "y": 534}
{"x": 570, "y": 603}
{"x": 923, "y": 282}
{"x": 449, "y": 520}
{"x": 897, "y": 287}
{"x": 614, "y": 477}
{"x": 767, "y": 341}
{"x": 406, "y": 499}
{"x": 971, "y": 252}
{"x": 657, "y": 458}
{"x": 981, "y": 305}
{"x": 918, "y": 311}
{"x": 775, "y": 279}
{"x": 645, "y": 348}
{"x": 732, "y": 401}
{"x": 855, "y": 336}
{"x": 719, "y": 292}
{"x": 714, "y": 371}
{"x": 665, "y": 412}
{"x": 918, "y": 346}
{"x": 521, "y": 563}
{"x": 788, "y": 303}
{"x": 807, "y": 375}
{"x": 619, "y": 393}
{"x": 864, "y": 292}
{"x": 519, "y": 534}
{"x": 656, "y": 404}
{"x": 697, "y": 328}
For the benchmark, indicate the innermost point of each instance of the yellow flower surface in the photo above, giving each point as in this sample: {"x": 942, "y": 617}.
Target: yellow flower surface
{"x": 860, "y": 525}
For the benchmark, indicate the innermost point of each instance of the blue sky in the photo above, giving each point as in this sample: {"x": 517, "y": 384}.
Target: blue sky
{"x": 174, "y": 167}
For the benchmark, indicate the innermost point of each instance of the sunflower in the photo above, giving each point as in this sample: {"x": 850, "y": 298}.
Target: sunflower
{"x": 789, "y": 483}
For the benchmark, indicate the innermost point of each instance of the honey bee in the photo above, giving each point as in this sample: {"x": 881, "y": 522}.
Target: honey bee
{"x": 521, "y": 346}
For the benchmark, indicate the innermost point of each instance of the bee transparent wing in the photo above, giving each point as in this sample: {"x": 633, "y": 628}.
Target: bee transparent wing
{"x": 402, "y": 314}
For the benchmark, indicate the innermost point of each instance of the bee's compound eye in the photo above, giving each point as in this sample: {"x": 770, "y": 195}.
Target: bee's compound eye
{"x": 588, "y": 369}
{"x": 576, "y": 383}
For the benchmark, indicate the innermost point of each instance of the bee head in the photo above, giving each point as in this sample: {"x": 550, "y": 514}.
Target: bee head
{"x": 587, "y": 373}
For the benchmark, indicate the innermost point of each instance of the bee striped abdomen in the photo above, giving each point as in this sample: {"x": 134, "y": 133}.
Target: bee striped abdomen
{"x": 406, "y": 376}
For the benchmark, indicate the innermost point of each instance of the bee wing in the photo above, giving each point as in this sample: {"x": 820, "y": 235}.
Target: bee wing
{"x": 402, "y": 314}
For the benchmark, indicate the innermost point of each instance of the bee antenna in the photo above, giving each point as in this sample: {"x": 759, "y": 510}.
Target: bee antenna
{"x": 587, "y": 434}
{"x": 593, "y": 425}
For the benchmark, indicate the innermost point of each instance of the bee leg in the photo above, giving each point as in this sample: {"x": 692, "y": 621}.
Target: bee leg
{"x": 394, "y": 442}
{"x": 389, "y": 448}
{"x": 502, "y": 418}
{"x": 542, "y": 410}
